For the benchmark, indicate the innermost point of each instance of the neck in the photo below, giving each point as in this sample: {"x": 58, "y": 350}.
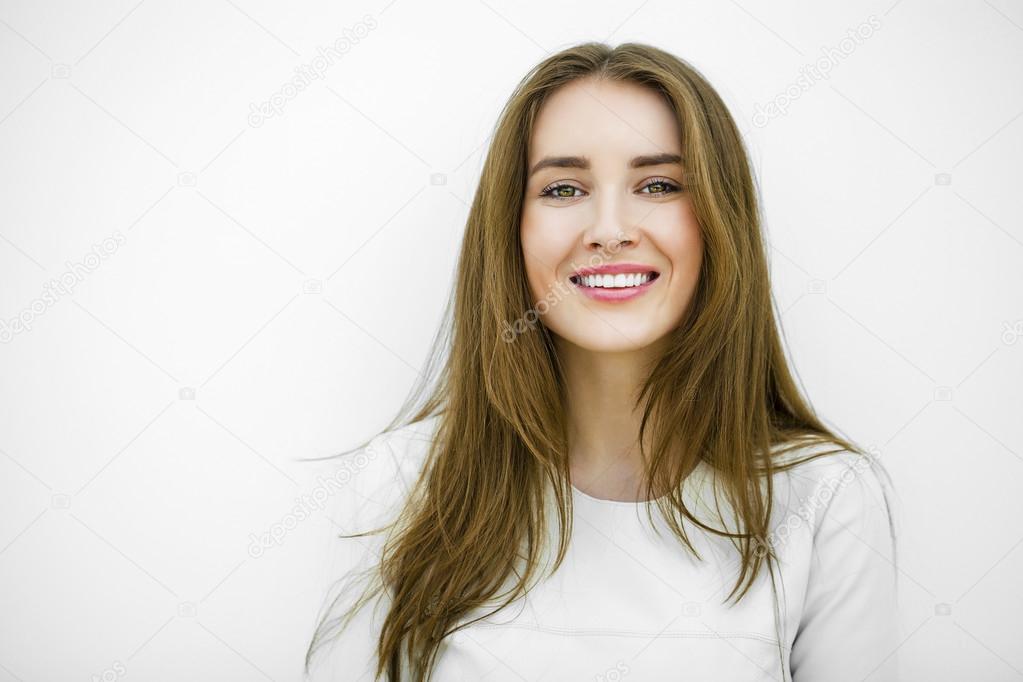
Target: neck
{"x": 603, "y": 421}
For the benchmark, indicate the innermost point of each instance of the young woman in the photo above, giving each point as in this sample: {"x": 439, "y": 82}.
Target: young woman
{"x": 614, "y": 349}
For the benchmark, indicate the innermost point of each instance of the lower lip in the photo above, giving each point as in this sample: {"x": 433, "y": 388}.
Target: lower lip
{"x": 614, "y": 295}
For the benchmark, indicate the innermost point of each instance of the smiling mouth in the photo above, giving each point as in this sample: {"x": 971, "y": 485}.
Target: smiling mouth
{"x": 619, "y": 281}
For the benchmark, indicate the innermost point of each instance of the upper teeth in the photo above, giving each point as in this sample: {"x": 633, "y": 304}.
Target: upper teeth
{"x": 632, "y": 279}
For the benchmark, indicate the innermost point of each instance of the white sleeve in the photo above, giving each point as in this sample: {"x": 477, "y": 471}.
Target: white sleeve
{"x": 364, "y": 499}
{"x": 848, "y": 627}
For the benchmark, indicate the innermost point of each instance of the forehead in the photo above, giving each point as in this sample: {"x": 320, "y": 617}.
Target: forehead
{"x": 604, "y": 119}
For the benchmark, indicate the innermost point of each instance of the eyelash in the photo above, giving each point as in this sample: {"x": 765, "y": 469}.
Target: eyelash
{"x": 549, "y": 189}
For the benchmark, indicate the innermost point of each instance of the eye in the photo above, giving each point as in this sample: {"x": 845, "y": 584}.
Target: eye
{"x": 666, "y": 187}
{"x": 555, "y": 191}
{"x": 562, "y": 191}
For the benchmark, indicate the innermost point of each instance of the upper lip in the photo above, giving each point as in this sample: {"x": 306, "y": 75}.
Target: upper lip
{"x": 614, "y": 269}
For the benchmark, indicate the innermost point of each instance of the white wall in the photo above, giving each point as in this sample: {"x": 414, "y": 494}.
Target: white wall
{"x": 269, "y": 286}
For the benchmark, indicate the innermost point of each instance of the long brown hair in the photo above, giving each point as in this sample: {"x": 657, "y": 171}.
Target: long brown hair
{"x": 721, "y": 393}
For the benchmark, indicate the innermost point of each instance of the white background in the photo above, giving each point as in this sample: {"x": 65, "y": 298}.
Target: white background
{"x": 278, "y": 285}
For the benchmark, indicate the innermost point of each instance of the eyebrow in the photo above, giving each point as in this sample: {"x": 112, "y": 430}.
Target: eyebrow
{"x": 584, "y": 163}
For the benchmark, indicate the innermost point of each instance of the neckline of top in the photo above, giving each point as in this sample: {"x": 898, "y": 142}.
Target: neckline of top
{"x": 699, "y": 468}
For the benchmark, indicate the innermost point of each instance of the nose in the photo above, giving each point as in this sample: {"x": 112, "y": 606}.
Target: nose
{"x": 610, "y": 228}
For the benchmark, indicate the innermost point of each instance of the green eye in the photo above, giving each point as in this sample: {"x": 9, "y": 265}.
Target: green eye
{"x": 563, "y": 191}
{"x": 555, "y": 191}
{"x": 667, "y": 187}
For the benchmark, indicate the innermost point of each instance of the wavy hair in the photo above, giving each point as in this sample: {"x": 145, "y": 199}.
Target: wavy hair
{"x": 721, "y": 393}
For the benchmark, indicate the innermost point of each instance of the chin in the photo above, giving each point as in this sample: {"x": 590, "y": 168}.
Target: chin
{"x": 600, "y": 338}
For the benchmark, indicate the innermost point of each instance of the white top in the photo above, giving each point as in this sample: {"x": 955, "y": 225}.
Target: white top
{"x": 627, "y": 604}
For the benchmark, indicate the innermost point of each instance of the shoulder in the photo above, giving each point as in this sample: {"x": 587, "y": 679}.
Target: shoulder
{"x": 369, "y": 487}
{"x": 828, "y": 484}
{"x": 843, "y": 556}
{"x": 381, "y": 475}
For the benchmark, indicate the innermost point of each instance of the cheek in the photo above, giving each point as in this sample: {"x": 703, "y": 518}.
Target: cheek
{"x": 678, "y": 236}
{"x": 545, "y": 245}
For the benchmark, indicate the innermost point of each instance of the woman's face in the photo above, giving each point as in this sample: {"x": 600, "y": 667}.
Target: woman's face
{"x": 603, "y": 191}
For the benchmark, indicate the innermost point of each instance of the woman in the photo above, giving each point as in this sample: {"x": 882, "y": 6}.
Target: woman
{"x": 614, "y": 349}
